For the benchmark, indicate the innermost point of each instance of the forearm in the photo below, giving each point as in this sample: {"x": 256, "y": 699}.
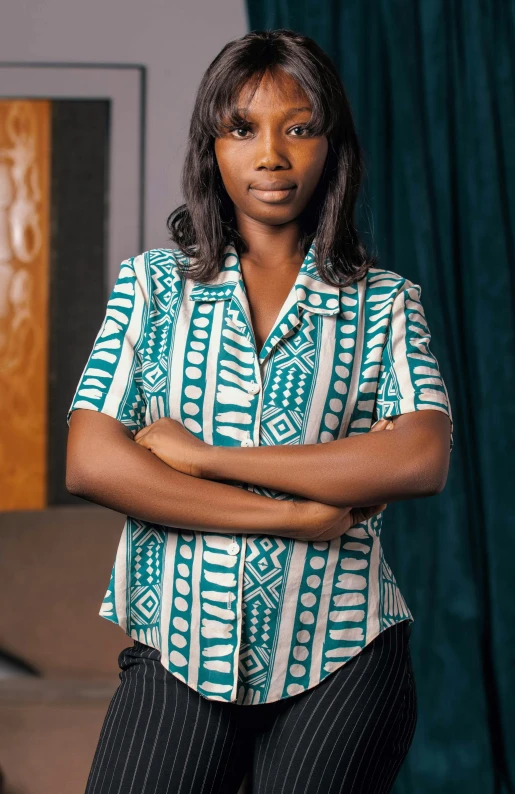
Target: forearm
{"x": 367, "y": 469}
{"x": 117, "y": 473}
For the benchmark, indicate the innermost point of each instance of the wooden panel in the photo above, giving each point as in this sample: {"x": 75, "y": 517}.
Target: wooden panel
{"x": 24, "y": 223}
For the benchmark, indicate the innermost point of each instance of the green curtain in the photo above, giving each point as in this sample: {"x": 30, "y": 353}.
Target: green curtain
{"x": 432, "y": 86}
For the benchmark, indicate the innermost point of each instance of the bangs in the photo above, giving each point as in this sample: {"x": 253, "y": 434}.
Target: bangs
{"x": 220, "y": 110}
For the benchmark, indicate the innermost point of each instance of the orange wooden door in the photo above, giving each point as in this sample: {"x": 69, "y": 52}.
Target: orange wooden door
{"x": 24, "y": 297}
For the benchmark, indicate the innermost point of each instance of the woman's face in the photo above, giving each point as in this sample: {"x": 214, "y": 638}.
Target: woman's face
{"x": 271, "y": 167}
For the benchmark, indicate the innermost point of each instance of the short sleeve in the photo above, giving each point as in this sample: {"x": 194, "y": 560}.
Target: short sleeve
{"x": 409, "y": 375}
{"x": 111, "y": 381}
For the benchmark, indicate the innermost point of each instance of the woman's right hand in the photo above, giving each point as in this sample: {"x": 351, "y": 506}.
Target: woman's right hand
{"x": 335, "y": 521}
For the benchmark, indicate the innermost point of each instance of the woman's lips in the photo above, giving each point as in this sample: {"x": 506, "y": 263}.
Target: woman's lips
{"x": 273, "y": 196}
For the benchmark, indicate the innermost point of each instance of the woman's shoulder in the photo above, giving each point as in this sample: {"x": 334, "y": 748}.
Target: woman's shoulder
{"x": 383, "y": 280}
{"x": 381, "y": 289}
{"x": 162, "y": 259}
{"x": 158, "y": 269}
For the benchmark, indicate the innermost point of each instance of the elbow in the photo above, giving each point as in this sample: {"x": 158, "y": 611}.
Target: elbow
{"x": 74, "y": 483}
{"x": 73, "y": 487}
{"x": 422, "y": 457}
{"x": 93, "y": 452}
{"x": 430, "y": 477}
{"x": 71, "y": 479}
{"x": 431, "y": 487}
{"x": 77, "y": 480}
{"x": 439, "y": 484}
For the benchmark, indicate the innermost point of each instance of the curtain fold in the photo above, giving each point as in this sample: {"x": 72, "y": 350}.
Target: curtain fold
{"x": 431, "y": 84}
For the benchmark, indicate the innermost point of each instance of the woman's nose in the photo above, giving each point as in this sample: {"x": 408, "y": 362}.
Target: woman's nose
{"x": 271, "y": 152}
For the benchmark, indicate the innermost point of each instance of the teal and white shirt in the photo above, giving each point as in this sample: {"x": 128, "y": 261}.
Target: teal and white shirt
{"x": 253, "y": 618}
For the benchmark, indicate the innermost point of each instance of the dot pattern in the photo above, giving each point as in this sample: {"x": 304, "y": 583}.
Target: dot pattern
{"x": 255, "y": 618}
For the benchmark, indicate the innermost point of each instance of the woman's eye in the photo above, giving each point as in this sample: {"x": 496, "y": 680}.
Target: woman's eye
{"x": 239, "y": 129}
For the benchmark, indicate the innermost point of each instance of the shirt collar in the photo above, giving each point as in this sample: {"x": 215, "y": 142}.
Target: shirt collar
{"x": 311, "y": 293}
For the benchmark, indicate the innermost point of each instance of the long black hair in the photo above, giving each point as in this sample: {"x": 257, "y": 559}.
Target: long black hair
{"x": 206, "y": 223}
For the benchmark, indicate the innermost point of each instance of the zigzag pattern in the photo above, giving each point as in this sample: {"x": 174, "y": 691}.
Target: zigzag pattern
{"x": 256, "y": 618}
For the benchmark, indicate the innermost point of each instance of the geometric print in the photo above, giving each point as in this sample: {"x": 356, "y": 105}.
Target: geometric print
{"x": 254, "y": 618}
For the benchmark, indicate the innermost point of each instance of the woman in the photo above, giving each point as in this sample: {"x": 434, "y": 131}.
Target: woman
{"x": 226, "y": 408}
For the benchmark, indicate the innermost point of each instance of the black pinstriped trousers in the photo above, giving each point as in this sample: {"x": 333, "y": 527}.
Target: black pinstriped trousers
{"x": 347, "y": 735}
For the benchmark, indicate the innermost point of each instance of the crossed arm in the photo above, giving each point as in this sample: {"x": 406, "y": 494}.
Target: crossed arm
{"x": 365, "y": 469}
{"x": 174, "y": 486}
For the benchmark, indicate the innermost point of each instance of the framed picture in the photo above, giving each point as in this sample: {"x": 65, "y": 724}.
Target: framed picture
{"x": 72, "y": 170}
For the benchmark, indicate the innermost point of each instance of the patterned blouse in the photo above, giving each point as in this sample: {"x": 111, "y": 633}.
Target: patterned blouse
{"x": 253, "y": 618}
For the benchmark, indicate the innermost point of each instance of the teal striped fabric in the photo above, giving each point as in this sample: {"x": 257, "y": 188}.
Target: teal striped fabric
{"x": 254, "y": 618}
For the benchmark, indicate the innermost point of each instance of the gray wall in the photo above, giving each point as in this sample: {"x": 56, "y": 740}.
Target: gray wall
{"x": 175, "y": 40}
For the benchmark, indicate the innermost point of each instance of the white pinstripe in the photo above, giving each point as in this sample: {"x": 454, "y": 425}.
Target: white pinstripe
{"x": 108, "y": 717}
{"x": 227, "y": 760}
{"x": 158, "y": 731}
{"x": 259, "y": 749}
{"x": 208, "y": 765}
{"x": 128, "y": 681}
{"x": 389, "y": 750}
{"x": 189, "y": 748}
{"x": 267, "y": 744}
{"x": 208, "y": 721}
{"x": 180, "y": 737}
{"x": 390, "y": 769}
{"x": 356, "y": 744}
{"x": 99, "y": 760}
{"x": 149, "y": 654}
{"x": 407, "y": 736}
{"x": 282, "y": 729}
{"x": 378, "y": 718}
{"x": 165, "y": 753}
{"x": 218, "y": 762}
{"x": 409, "y": 730}
{"x": 345, "y": 683}
{"x": 154, "y": 667}
{"x": 385, "y": 744}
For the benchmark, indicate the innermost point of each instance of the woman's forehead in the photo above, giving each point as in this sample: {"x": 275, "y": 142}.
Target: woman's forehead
{"x": 280, "y": 85}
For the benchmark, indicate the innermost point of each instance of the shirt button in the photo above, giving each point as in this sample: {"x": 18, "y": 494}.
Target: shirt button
{"x": 233, "y": 549}
{"x": 253, "y": 387}
{"x": 247, "y": 442}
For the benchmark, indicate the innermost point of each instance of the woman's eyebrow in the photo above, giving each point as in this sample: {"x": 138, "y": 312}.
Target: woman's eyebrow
{"x": 288, "y": 112}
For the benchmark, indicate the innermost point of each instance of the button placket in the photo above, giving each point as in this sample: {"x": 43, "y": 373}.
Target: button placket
{"x": 254, "y": 387}
{"x": 233, "y": 549}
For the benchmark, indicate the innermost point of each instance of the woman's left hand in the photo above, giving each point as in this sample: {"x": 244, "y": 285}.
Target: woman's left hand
{"x": 169, "y": 440}
{"x": 174, "y": 444}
